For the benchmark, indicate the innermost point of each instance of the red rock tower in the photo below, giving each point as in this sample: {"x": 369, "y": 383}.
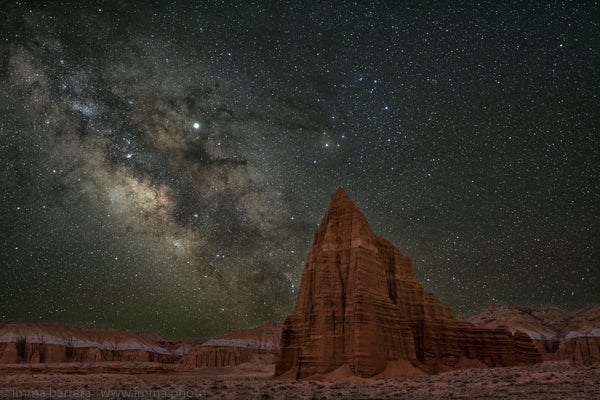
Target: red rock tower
{"x": 360, "y": 306}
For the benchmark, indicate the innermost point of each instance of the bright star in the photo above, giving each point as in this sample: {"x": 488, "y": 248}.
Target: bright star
{"x": 196, "y": 125}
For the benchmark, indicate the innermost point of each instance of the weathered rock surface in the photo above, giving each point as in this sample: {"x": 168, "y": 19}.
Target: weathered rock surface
{"x": 359, "y": 305}
{"x": 22, "y": 342}
{"x": 30, "y": 343}
{"x": 557, "y": 335}
{"x": 259, "y": 345}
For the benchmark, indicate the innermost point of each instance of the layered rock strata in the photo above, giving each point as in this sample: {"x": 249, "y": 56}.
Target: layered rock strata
{"x": 22, "y": 342}
{"x": 260, "y": 345}
{"x": 359, "y": 305}
{"x": 557, "y": 335}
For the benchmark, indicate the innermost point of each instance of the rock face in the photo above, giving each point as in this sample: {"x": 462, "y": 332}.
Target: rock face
{"x": 22, "y": 342}
{"x": 95, "y": 350}
{"x": 557, "y": 335}
{"x": 360, "y": 306}
{"x": 260, "y": 344}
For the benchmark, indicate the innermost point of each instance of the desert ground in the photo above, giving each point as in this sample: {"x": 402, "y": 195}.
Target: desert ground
{"x": 550, "y": 380}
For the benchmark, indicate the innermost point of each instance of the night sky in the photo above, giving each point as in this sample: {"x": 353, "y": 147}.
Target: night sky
{"x": 164, "y": 164}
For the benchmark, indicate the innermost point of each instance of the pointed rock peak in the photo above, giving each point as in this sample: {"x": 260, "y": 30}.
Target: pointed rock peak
{"x": 341, "y": 203}
{"x": 361, "y": 308}
{"x": 340, "y": 193}
{"x": 343, "y": 225}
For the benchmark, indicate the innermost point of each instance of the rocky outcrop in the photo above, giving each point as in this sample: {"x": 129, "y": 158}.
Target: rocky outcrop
{"x": 557, "y": 335}
{"x": 29, "y": 343}
{"x": 54, "y": 343}
{"x": 259, "y": 345}
{"x": 359, "y": 305}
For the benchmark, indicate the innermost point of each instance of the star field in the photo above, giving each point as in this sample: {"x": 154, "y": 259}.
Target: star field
{"x": 165, "y": 164}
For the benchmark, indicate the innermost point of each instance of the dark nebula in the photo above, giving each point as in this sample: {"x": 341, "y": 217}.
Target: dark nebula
{"x": 165, "y": 164}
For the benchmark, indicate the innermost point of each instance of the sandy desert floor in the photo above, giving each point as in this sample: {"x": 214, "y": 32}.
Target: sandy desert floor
{"x": 544, "y": 381}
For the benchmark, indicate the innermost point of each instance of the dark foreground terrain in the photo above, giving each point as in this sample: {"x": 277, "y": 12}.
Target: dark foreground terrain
{"x": 551, "y": 380}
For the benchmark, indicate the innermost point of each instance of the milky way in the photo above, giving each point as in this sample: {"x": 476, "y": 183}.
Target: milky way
{"x": 165, "y": 164}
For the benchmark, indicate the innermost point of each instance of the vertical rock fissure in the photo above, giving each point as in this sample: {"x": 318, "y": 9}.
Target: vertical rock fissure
{"x": 391, "y": 278}
{"x": 343, "y": 281}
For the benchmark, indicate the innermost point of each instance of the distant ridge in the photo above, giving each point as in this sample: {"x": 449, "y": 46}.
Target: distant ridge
{"x": 25, "y": 342}
{"x": 557, "y": 335}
